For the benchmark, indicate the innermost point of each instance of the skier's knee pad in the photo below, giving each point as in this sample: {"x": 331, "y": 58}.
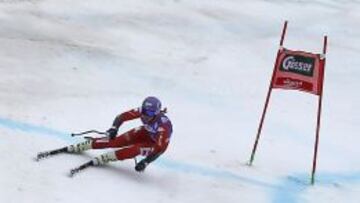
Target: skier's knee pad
{"x": 83, "y": 146}
{"x": 105, "y": 158}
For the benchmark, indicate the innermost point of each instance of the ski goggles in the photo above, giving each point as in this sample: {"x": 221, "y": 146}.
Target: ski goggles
{"x": 148, "y": 112}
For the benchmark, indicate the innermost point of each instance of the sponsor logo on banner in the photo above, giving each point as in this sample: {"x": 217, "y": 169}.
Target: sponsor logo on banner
{"x": 298, "y": 64}
{"x": 295, "y": 84}
{"x": 291, "y": 83}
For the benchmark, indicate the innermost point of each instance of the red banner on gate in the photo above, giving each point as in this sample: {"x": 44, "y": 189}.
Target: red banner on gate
{"x": 298, "y": 70}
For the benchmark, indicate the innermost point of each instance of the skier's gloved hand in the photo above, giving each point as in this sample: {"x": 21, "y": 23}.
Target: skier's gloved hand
{"x": 140, "y": 167}
{"x": 112, "y": 132}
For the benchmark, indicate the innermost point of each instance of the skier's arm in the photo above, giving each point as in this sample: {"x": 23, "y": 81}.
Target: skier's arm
{"x": 140, "y": 167}
{"x": 160, "y": 147}
{"x": 126, "y": 116}
{"x": 119, "y": 119}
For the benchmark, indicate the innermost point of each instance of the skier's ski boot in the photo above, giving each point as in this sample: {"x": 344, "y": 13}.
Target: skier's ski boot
{"x": 104, "y": 158}
{"x": 80, "y": 147}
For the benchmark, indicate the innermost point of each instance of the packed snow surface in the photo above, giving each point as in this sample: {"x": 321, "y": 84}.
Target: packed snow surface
{"x": 73, "y": 65}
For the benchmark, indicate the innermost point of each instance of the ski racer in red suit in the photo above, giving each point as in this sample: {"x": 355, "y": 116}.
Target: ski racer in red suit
{"x": 150, "y": 140}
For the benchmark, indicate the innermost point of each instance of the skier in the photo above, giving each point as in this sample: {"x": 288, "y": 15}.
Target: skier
{"x": 150, "y": 140}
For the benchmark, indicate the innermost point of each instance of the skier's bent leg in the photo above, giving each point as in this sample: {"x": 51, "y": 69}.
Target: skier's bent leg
{"x": 124, "y": 153}
{"x": 96, "y": 143}
{"x": 126, "y": 139}
{"x": 130, "y": 138}
{"x": 121, "y": 154}
{"x": 132, "y": 151}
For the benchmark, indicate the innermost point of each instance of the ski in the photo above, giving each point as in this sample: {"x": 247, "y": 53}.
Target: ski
{"x": 46, "y": 154}
{"x": 80, "y": 168}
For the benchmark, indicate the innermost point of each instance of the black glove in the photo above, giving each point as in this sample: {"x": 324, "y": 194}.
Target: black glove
{"x": 140, "y": 167}
{"x": 112, "y": 132}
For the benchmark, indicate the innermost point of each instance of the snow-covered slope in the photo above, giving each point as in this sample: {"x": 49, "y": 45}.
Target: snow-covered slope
{"x": 68, "y": 66}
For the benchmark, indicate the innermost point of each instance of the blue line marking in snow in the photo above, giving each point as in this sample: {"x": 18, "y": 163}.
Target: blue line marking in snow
{"x": 288, "y": 191}
{"x": 292, "y": 186}
{"x": 169, "y": 164}
{"x": 210, "y": 172}
{"x": 30, "y": 128}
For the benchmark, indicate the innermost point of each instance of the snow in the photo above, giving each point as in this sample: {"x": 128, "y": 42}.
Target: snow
{"x": 68, "y": 66}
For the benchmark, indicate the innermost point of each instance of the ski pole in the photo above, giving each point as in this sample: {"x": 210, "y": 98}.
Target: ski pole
{"x": 87, "y": 132}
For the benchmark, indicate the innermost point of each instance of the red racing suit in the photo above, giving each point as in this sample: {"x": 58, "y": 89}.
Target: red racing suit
{"x": 150, "y": 140}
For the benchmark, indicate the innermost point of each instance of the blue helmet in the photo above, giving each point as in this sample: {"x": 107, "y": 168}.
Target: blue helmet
{"x": 151, "y": 106}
